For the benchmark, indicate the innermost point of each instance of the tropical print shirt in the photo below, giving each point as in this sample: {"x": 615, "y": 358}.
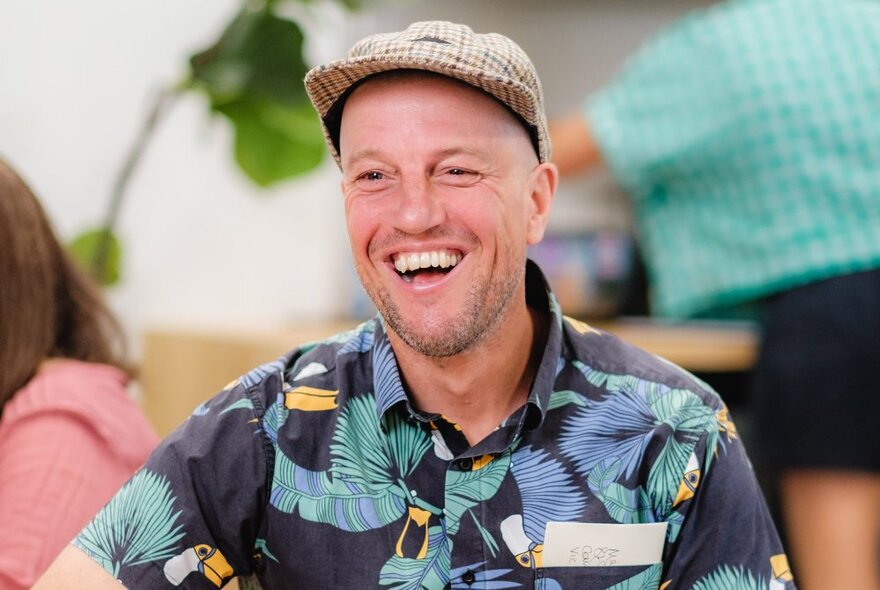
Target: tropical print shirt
{"x": 315, "y": 471}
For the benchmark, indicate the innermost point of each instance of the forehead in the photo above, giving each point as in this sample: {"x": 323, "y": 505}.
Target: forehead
{"x": 398, "y": 101}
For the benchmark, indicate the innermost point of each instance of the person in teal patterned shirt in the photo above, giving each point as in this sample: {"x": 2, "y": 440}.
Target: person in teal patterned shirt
{"x": 747, "y": 135}
{"x": 470, "y": 436}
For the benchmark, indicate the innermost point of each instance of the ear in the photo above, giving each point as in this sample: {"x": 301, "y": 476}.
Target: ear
{"x": 544, "y": 180}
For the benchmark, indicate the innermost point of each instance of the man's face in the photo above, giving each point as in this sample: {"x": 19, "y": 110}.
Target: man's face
{"x": 440, "y": 205}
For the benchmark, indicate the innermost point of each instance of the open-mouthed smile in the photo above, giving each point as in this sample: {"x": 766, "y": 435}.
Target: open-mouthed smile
{"x": 412, "y": 264}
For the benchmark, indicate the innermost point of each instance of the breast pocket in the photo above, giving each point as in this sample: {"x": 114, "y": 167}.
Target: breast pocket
{"x": 624, "y": 577}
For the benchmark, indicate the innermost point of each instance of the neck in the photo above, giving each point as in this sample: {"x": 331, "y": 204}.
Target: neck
{"x": 482, "y": 386}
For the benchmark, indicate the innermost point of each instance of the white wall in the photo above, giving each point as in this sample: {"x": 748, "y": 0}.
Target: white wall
{"x": 203, "y": 245}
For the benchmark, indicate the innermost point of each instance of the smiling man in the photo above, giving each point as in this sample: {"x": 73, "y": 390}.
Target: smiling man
{"x": 470, "y": 436}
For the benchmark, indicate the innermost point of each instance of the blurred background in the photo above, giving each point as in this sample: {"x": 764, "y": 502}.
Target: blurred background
{"x": 228, "y": 257}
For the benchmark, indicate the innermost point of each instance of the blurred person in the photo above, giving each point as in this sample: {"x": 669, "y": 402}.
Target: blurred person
{"x": 69, "y": 434}
{"x": 747, "y": 135}
{"x": 439, "y": 444}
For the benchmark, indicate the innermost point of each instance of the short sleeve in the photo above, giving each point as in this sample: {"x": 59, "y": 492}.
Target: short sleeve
{"x": 190, "y": 517}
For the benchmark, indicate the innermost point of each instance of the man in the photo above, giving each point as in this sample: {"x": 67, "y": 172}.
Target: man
{"x": 442, "y": 444}
{"x": 748, "y": 136}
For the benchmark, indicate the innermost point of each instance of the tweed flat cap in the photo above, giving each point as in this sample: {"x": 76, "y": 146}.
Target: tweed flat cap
{"x": 490, "y": 62}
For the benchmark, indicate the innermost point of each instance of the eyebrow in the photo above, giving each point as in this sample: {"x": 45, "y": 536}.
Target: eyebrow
{"x": 362, "y": 155}
{"x": 373, "y": 153}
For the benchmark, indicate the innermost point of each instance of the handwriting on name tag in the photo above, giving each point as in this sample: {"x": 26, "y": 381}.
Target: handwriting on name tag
{"x": 572, "y": 544}
{"x": 588, "y": 555}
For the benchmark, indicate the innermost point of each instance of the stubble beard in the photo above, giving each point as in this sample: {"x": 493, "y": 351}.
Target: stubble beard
{"x": 484, "y": 309}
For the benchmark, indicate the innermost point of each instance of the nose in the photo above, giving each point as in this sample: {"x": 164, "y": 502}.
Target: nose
{"x": 418, "y": 207}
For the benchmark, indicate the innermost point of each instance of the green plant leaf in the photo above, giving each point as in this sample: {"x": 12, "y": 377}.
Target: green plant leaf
{"x": 274, "y": 141}
{"x": 99, "y": 252}
{"x": 259, "y": 56}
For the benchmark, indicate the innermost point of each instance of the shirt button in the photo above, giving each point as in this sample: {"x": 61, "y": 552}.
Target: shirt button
{"x": 468, "y": 577}
{"x": 465, "y": 464}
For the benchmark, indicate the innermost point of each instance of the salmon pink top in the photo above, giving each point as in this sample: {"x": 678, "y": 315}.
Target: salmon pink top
{"x": 68, "y": 440}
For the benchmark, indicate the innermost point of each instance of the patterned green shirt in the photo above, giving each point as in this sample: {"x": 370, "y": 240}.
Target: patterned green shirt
{"x": 748, "y": 135}
{"x": 315, "y": 472}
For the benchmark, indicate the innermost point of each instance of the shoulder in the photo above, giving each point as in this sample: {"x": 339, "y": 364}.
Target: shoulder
{"x": 92, "y": 392}
{"x": 613, "y": 366}
{"x": 86, "y": 396}
{"x": 324, "y": 365}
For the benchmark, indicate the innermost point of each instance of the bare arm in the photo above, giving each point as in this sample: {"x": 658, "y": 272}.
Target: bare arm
{"x": 74, "y": 569}
{"x": 574, "y": 148}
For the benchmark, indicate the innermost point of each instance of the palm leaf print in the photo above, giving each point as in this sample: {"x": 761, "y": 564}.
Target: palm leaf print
{"x": 621, "y": 425}
{"x": 407, "y": 443}
{"x": 689, "y": 416}
{"x": 354, "y": 340}
{"x": 728, "y": 578}
{"x": 346, "y": 506}
{"x": 360, "y": 491}
{"x": 559, "y": 399}
{"x": 682, "y": 409}
{"x": 356, "y": 333}
{"x": 488, "y": 539}
{"x": 244, "y": 403}
{"x": 674, "y": 522}
{"x": 547, "y": 491}
{"x": 646, "y": 580}
{"x": 624, "y": 505}
{"x": 360, "y": 339}
{"x": 466, "y": 489}
{"x": 431, "y": 572}
{"x": 137, "y": 526}
{"x": 360, "y": 451}
{"x": 275, "y": 416}
{"x": 256, "y": 375}
{"x": 666, "y": 474}
{"x": 627, "y": 506}
{"x": 618, "y": 427}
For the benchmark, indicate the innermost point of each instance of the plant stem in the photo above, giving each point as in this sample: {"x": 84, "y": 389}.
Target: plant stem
{"x": 136, "y": 152}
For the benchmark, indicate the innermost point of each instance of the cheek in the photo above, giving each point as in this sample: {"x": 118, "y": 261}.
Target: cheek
{"x": 362, "y": 222}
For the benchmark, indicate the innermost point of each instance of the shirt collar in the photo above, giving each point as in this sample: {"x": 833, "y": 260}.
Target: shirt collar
{"x": 389, "y": 389}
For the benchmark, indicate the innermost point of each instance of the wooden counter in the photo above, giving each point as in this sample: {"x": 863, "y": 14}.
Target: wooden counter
{"x": 182, "y": 367}
{"x": 699, "y": 346}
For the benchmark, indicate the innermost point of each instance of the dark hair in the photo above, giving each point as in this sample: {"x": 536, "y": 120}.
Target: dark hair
{"x": 48, "y": 306}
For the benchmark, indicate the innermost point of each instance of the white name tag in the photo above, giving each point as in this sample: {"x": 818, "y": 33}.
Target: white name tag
{"x": 579, "y": 544}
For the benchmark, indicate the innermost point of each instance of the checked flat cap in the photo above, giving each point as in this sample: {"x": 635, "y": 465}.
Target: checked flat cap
{"x": 490, "y": 62}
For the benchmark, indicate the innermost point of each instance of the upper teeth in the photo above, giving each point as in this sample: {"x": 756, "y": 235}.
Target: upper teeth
{"x": 417, "y": 260}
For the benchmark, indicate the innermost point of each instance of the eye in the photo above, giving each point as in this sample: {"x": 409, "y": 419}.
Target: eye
{"x": 372, "y": 180}
{"x": 459, "y": 176}
{"x": 371, "y": 175}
